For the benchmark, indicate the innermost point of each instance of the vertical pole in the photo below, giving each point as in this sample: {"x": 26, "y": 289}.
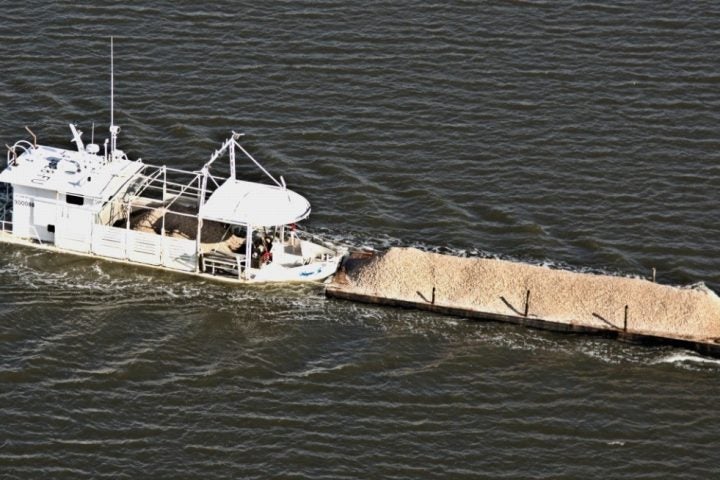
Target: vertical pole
{"x": 527, "y": 302}
{"x": 653, "y": 273}
{"x": 164, "y": 197}
{"x": 202, "y": 184}
{"x": 112, "y": 86}
{"x": 248, "y": 251}
{"x": 282, "y": 242}
{"x": 626, "y": 317}
{"x": 128, "y": 216}
{"x": 433, "y": 295}
{"x": 198, "y": 244}
{"x": 232, "y": 159}
{"x": 113, "y": 129}
{"x": 127, "y": 229}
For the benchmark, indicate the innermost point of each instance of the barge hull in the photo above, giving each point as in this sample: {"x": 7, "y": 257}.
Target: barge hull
{"x": 347, "y": 285}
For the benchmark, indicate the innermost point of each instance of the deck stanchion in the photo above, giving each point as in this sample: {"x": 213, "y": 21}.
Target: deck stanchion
{"x": 527, "y": 303}
{"x": 625, "y": 321}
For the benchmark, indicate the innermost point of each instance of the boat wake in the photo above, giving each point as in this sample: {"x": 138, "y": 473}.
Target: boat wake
{"x": 688, "y": 360}
{"x": 63, "y": 278}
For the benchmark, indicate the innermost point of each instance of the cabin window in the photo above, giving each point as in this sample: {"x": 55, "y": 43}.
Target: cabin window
{"x": 74, "y": 199}
{"x": 51, "y": 228}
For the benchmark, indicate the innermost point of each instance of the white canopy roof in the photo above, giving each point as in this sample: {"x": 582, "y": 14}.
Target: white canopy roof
{"x": 257, "y": 204}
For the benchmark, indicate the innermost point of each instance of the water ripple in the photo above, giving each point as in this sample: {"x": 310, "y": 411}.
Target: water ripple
{"x": 578, "y": 135}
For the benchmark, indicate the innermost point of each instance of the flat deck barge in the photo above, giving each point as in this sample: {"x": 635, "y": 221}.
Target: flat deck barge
{"x": 635, "y": 310}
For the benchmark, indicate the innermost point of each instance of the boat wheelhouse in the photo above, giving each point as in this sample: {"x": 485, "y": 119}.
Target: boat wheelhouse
{"x": 203, "y": 222}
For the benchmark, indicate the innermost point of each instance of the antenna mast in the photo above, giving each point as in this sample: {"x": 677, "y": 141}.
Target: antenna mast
{"x": 112, "y": 84}
{"x": 113, "y": 128}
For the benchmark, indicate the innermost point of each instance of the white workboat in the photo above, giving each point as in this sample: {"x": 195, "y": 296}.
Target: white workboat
{"x": 100, "y": 203}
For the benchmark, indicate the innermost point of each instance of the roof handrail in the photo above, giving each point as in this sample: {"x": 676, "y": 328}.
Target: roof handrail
{"x": 11, "y": 150}
{"x": 33, "y": 135}
{"x": 19, "y": 144}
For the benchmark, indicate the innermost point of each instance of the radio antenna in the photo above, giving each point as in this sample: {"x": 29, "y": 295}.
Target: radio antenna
{"x": 112, "y": 85}
{"x": 113, "y": 128}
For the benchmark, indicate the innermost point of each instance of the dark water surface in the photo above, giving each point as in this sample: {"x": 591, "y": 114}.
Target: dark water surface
{"x": 581, "y": 134}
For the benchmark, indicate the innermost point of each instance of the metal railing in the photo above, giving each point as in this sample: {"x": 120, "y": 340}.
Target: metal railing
{"x": 12, "y": 151}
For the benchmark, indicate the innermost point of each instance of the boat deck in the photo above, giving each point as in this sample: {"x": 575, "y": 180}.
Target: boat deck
{"x": 215, "y": 237}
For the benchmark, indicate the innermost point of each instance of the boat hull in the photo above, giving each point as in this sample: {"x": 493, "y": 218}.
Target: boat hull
{"x": 314, "y": 272}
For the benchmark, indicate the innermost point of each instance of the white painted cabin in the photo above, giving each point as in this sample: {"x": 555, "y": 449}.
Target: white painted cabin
{"x": 58, "y": 195}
